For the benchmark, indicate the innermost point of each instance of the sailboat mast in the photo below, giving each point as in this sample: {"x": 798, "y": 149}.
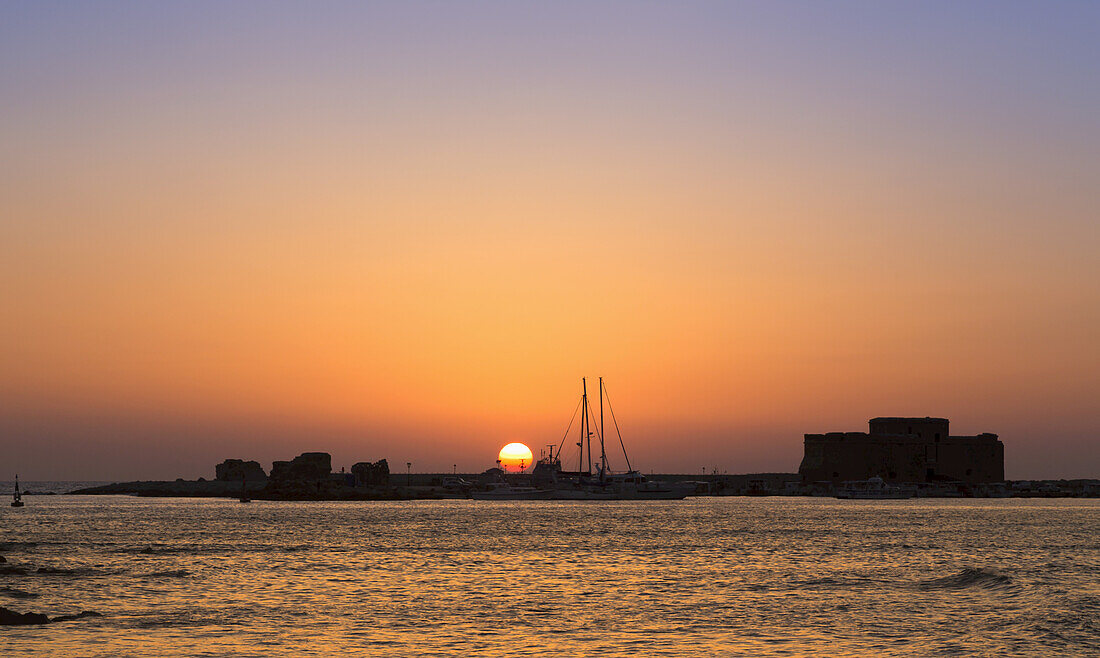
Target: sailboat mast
{"x": 603, "y": 448}
{"x": 580, "y": 444}
{"x": 587, "y": 438}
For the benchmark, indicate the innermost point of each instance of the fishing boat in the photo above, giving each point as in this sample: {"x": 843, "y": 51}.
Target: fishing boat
{"x": 17, "y": 497}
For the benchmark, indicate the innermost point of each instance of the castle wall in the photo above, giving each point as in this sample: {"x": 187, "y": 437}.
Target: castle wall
{"x": 936, "y": 429}
{"x": 841, "y": 456}
{"x": 972, "y": 459}
{"x": 896, "y": 454}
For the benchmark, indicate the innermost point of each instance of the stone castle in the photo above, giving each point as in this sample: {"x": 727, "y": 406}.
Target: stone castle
{"x": 903, "y": 450}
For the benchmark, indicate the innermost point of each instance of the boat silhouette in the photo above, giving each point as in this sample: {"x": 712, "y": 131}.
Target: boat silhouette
{"x": 598, "y": 481}
{"x": 17, "y": 497}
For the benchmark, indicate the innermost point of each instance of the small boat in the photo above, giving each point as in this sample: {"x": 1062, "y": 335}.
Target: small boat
{"x": 873, "y": 489}
{"x": 505, "y": 491}
{"x": 582, "y": 491}
{"x": 17, "y": 497}
{"x": 632, "y": 485}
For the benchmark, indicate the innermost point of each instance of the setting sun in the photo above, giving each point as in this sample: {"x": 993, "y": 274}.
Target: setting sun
{"x": 515, "y": 457}
{"x": 792, "y": 297}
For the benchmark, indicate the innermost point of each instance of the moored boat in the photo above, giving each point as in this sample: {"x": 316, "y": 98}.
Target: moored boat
{"x": 505, "y": 491}
{"x": 592, "y": 480}
{"x": 635, "y": 486}
{"x": 874, "y": 488}
{"x": 244, "y": 489}
{"x": 598, "y": 481}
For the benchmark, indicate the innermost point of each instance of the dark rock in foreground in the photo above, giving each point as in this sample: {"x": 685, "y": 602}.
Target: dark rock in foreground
{"x": 12, "y": 570}
{"x": 13, "y": 618}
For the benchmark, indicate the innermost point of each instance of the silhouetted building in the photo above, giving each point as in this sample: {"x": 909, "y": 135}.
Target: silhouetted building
{"x": 903, "y": 450}
{"x": 306, "y": 466}
{"x": 238, "y": 469}
{"x": 369, "y": 474}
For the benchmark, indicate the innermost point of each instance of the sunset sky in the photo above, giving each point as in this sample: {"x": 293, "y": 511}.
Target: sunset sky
{"x": 407, "y": 230}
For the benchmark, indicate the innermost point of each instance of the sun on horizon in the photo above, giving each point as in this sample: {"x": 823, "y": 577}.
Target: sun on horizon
{"x": 515, "y": 457}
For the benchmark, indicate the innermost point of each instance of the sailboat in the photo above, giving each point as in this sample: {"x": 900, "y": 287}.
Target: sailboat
{"x": 244, "y": 490}
{"x": 600, "y": 483}
{"x": 17, "y": 497}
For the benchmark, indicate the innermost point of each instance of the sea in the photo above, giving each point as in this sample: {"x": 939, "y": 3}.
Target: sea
{"x": 745, "y": 576}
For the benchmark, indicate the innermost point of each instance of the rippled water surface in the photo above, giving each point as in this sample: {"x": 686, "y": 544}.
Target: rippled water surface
{"x": 778, "y": 576}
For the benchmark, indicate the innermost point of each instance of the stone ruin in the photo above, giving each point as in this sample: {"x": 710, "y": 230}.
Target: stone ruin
{"x": 369, "y": 474}
{"x": 235, "y": 470}
{"x": 306, "y": 472}
{"x": 306, "y": 466}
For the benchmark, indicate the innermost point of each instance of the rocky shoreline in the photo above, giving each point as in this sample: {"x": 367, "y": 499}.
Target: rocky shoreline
{"x": 262, "y": 491}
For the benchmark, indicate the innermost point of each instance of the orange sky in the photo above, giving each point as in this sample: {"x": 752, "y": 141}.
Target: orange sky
{"x": 250, "y": 241}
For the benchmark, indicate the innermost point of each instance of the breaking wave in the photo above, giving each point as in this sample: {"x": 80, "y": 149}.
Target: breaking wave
{"x": 171, "y": 573}
{"x": 66, "y": 571}
{"x": 967, "y": 578}
{"x": 828, "y": 582}
{"x": 16, "y": 593}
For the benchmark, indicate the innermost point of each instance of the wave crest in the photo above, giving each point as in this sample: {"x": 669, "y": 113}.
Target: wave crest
{"x": 982, "y": 578}
{"x": 173, "y": 573}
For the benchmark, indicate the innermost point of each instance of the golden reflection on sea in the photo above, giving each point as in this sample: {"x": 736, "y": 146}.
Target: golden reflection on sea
{"x": 754, "y": 576}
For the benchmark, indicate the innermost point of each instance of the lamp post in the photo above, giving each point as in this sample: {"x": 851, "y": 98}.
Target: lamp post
{"x": 408, "y": 474}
